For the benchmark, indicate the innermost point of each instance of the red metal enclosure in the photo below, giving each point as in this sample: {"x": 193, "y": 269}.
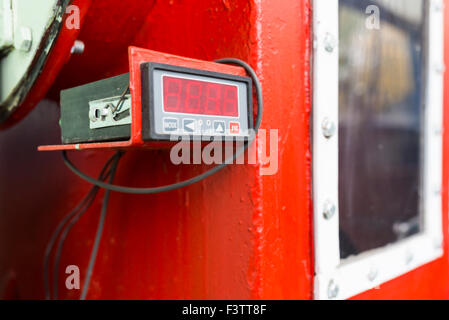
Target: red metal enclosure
{"x": 236, "y": 235}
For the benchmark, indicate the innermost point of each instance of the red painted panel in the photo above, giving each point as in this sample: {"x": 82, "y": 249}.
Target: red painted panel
{"x": 283, "y": 208}
{"x": 235, "y": 235}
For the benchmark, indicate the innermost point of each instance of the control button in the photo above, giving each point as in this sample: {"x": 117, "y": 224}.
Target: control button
{"x": 234, "y": 127}
{"x": 188, "y": 125}
{"x": 170, "y": 124}
{"x": 219, "y": 127}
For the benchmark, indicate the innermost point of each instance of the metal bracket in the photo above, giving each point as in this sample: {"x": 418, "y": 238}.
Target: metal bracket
{"x": 101, "y": 113}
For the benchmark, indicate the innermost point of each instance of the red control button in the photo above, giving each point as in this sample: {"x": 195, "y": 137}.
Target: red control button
{"x": 234, "y": 127}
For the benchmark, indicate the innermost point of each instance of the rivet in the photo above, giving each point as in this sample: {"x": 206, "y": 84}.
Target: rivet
{"x": 438, "y": 131}
{"x": 329, "y": 42}
{"x": 437, "y": 6}
{"x": 438, "y": 243}
{"x": 328, "y": 127}
{"x": 329, "y": 209}
{"x": 372, "y": 274}
{"x": 332, "y": 290}
{"x": 408, "y": 257}
{"x": 440, "y": 68}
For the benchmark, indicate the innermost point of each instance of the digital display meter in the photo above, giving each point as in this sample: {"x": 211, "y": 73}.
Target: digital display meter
{"x": 178, "y": 101}
{"x": 164, "y": 98}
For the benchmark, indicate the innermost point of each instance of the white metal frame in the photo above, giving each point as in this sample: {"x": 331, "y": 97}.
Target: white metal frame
{"x": 341, "y": 279}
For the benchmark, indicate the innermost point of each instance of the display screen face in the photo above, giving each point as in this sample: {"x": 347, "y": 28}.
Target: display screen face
{"x": 183, "y": 95}
{"x": 197, "y": 103}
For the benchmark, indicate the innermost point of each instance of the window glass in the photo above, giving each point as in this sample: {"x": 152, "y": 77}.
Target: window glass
{"x": 381, "y": 94}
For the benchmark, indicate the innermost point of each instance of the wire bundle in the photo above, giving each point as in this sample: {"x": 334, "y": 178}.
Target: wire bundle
{"x": 66, "y": 224}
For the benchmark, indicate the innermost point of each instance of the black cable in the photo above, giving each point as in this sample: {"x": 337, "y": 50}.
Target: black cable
{"x": 256, "y": 83}
{"x": 93, "y": 255}
{"x": 65, "y": 233}
{"x": 200, "y": 177}
{"x": 91, "y": 194}
{"x": 61, "y": 241}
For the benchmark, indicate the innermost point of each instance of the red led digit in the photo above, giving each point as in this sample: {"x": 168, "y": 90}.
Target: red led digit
{"x": 230, "y": 104}
{"x": 199, "y": 97}
{"x": 193, "y": 94}
{"x": 213, "y": 95}
{"x": 172, "y": 94}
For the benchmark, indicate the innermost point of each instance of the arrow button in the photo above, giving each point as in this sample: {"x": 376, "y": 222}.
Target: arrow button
{"x": 219, "y": 127}
{"x": 188, "y": 125}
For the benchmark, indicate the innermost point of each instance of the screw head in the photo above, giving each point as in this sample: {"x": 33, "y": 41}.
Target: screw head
{"x": 328, "y": 127}
{"x": 332, "y": 290}
{"x": 25, "y": 39}
{"x": 329, "y": 209}
{"x": 78, "y": 47}
{"x": 105, "y": 111}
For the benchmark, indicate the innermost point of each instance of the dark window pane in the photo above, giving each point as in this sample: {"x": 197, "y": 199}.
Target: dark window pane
{"x": 381, "y": 113}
